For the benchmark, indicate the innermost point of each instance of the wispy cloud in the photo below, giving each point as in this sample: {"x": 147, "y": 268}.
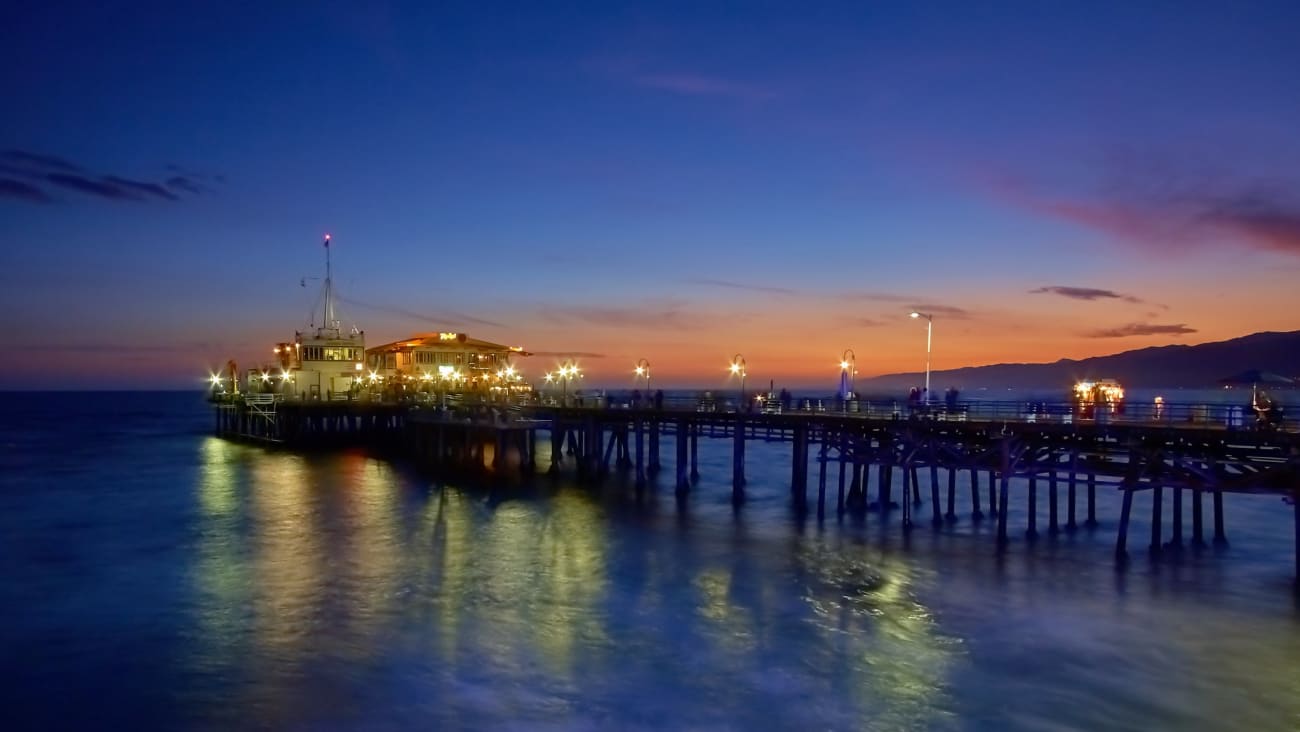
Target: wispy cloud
{"x": 115, "y": 348}
{"x": 141, "y": 187}
{"x": 875, "y": 296}
{"x": 1167, "y": 208}
{"x": 864, "y": 322}
{"x": 1140, "y": 329}
{"x": 1083, "y": 293}
{"x": 182, "y": 183}
{"x": 1271, "y": 223}
{"x": 672, "y": 316}
{"x": 441, "y": 319}
{"x": 82, "y": 184}
{"x": 769, "y": 289}
{"x": 702, "y": 85}
{"x": 22, "y": 191}
{"x": 42, "y": 171}
{"x": 37, "y": 160}
{"x": 947, "y": 311}
{"x": 568, "y": 354}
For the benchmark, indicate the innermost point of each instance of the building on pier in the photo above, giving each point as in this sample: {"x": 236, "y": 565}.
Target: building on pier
{"x": 323, "y": 362}
{"x": 447, "y": 361}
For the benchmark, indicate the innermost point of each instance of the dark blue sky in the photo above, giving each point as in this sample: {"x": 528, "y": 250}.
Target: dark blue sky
{"x": 664, "y": 181}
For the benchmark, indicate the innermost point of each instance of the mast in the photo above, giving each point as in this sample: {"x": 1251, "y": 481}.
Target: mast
{"x": 330, "y": 322}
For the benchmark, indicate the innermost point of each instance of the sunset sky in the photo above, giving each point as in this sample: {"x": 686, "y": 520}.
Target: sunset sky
{"x": 666, "y": 182}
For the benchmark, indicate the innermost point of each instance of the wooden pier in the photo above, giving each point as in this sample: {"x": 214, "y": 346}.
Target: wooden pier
{"x": 962, "y": 464}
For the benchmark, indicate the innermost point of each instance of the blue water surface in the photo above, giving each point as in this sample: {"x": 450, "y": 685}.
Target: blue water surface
{"x": 155, "y": 577}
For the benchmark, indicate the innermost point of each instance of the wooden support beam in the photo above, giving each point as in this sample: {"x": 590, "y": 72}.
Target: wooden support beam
{"x": 738, "y": 461}
{"x": 1176, "y": 539}
{"x": 1053, "y": 526}
{"x": 640, "y": 452}
{"x": 1220, "y": 538}
{"x": 1121, "y": 539}
{"x": 682, "y": 443}
{"x": 1032, "y": 532}
{"x": 655, "y": 427}
{"x": 937, "y": 519}
{"x": 695, "y": 452}
{"x": 1071, "y": 496}
{"x": 1157, "y": 521}
{"x": 951, "y": 515}
{"x": 1092, "y": 499}
{"x": 993, "y": 493}
{"x": 975, "y": 513}
{"x": 1004, "y": 493}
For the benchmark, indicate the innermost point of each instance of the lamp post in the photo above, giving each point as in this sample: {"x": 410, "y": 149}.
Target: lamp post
{"x": 643, "y": 371}
{"x": 849, "y": 364}
{"x": 929, "y": 332}
{"x": 738, "y": 368}
{"x": 567, "y": 371}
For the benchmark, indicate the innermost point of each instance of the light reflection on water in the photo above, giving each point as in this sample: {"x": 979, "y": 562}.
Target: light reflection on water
{"x": 183, "y": 582}
{"x": 554, "y": 611}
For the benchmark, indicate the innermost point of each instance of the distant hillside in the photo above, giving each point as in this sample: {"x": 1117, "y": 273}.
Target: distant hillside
{"x": 1196, "y": 366}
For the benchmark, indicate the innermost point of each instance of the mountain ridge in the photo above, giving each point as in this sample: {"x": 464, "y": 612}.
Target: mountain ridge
{"x": 1171, "y": 366}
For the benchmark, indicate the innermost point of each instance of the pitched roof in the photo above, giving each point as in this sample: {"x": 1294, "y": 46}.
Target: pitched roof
{"x": 455, "y": 341}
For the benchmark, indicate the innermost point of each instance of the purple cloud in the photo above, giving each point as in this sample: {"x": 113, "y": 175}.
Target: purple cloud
{"x": 864, "y": 322}
{"x": 1169, "y": 210}
{"x": 568, "y": 354}
{"x": 875, "y": 296}
{"x": 82, "y": 184}
{"x": 1270, "y": 224}
{"x": 743, "y": 286}
{"x": 69, "y": 176}
{"x": 181, "y": 183}
{"x": 21, "y": 191}
{"x": 672, "y": 316}
{"x": 37, "y": 160}
{"x": 947, "y": 311}
{"x": 1083, "y": 293}
{"x": 699, "y": 85}
{"x": 141, "y": 187}
{"x": 1140, "y": 329}
{"x": 443, "y": 319}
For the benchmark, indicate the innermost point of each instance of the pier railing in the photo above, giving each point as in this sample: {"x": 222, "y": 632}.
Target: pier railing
{"x": 1226, "y": 416}
{"x": 1202, "y": 415}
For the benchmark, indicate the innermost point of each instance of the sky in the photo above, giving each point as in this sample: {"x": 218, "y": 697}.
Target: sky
{"x": 671, "y": 182}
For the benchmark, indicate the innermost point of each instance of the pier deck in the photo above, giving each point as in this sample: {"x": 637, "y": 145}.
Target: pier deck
{"x": 1064, "y": 461}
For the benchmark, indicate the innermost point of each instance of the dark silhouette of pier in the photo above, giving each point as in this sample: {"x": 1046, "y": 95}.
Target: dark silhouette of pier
{"x": 863, "y": 461}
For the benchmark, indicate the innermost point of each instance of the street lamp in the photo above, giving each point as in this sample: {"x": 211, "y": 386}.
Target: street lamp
{"x": 643, "y": 371}
{"x": 568, "y": 370}
{"x": 929, "y": 333}
{"x": 849, "y": 365}
{"x": 738, "y": 369}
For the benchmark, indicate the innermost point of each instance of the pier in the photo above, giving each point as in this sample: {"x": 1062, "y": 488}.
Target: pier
{"x": 960, "y": 461}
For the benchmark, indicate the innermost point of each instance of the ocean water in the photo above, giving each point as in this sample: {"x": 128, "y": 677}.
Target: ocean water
{"x": 155, "y": 577}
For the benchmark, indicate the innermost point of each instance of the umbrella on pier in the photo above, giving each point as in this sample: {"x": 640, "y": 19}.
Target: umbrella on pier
{"x": 1256, "y": 378}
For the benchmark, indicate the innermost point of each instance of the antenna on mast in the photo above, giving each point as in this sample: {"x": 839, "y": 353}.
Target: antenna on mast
{"x": 330, "y": 322}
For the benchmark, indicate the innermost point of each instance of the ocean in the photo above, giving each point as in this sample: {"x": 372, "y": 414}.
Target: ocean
{"x": 153, "y": 576}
